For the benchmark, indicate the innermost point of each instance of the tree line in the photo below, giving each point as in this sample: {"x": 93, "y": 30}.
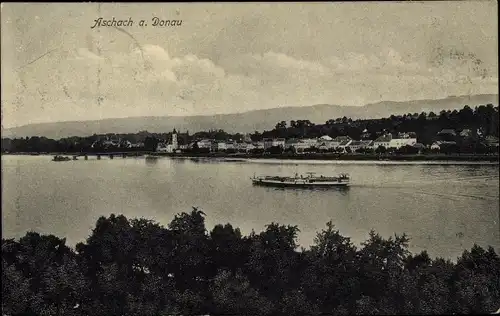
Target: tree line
{"x": 145, "y": 140}
{"x": 426, "y": 125}
{"x": 139, "y": 267}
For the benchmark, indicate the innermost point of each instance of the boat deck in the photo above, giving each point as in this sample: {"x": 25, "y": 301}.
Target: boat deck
{"x": 309, "y": 181}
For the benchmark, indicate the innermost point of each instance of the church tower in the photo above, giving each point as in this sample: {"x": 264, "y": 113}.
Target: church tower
{"x": 174, "y": 139}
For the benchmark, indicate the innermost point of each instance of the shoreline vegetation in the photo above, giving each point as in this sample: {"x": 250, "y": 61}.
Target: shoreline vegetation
{"x": 308, "y": 156}
{"x": 139, "y": 267}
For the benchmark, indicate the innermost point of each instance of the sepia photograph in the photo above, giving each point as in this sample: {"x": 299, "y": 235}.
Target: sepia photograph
{"x": 258, "y": 158}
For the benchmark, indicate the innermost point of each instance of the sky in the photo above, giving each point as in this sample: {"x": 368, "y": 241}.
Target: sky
{"x": 236, "y": 57}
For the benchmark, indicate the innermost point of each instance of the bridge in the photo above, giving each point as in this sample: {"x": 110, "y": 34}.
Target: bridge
{"x": 111, "y": 155}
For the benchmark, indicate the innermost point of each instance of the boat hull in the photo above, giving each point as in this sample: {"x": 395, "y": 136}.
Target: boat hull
{"x": 299, "y": 184}
{"x": 59, "y": 159}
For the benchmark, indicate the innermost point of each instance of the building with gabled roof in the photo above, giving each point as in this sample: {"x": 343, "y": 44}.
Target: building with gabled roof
{"x": 383, "y": 140}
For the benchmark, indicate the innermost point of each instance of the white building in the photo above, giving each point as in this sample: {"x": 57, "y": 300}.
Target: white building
{"x": 297, "y": 144}
{"x": 274, "y": 142}
{"x": 326, "y": 145}
{"x": 300, "y": 144}
{"x": 231, "y": 145}
{"x": 358, "y": 144}
{"x": 219, "y": 146}
{"x": 383, "y": 141}
{"x": 171, "y": 148}
{"x": 245, "y": 146}
{"x": 344, "y": 144}
{"x": 406, "y": 135}
{"x": 279, "y": 142}
{"x": 311, "y": 142}
{"x": 435, "y": 146}
{"x": 161, "y": 147}
{"x": 250, "y": 147}
{"x": 259, "y": 145}
{"x": 204, "y": 143}
{"x": 400, "y": 142}
{"x": 338, "y": 141}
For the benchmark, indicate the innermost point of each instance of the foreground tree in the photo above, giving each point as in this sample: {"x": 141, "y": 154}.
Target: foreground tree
{"x": 138, "y": 267}
{"x": 40, "y": 276}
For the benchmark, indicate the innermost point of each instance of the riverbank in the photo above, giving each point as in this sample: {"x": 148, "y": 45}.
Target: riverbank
{"x": 343, "y": 157}
{"x": 493, "y": 158}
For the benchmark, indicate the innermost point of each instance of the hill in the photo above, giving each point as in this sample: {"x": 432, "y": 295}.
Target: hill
{"x": 245, "y": 122}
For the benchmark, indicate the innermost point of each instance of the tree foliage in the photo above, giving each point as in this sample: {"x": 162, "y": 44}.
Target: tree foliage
{"x": 139, "y": 267}
{"x": 426, "y": 126}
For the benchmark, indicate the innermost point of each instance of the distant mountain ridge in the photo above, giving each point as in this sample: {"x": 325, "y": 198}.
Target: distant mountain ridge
{"x": 257, "y": 120}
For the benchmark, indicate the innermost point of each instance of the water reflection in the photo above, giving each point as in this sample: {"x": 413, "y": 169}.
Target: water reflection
{"x": 342, "y": 190}
{"x": 151, "y": 159}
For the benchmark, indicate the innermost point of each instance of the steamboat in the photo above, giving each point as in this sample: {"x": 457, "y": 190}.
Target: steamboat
{"x": 61, "y": 158}
{"x": 301, "y": 181}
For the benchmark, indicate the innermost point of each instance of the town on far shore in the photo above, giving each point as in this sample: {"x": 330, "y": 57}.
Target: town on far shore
{"x": 446, "y": 141}
{"x": 464, "y": 131}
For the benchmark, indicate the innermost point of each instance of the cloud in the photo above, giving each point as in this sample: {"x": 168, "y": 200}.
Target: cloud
{"x": 287, "y": 62}
{"x": 147, "y": 80}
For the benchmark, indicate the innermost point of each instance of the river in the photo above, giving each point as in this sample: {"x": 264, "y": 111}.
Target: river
{"x": 444, "y": 208}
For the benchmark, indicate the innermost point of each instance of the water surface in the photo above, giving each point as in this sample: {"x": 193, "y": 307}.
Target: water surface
{"x": 444, "y": 208}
